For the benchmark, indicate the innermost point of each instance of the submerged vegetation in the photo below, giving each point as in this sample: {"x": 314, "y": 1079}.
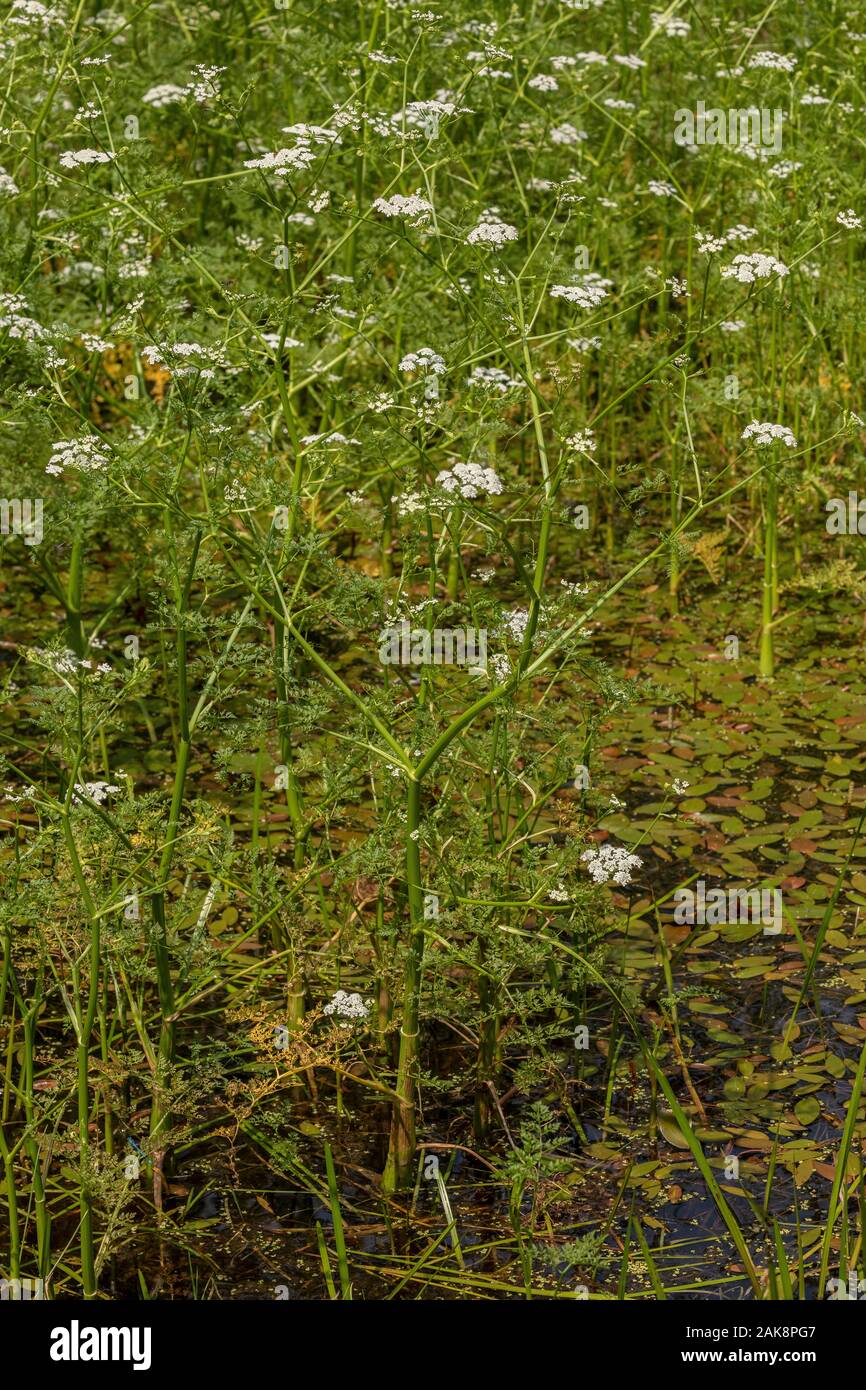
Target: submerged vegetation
{"x": 432, "y": 831}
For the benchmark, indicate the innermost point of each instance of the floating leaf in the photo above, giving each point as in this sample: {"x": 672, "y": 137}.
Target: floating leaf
{"x": 671, "y": 1131}
{"x": 807, "y": 1110}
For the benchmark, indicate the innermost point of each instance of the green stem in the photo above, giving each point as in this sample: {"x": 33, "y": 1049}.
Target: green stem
{"x": 401, "y": 1151}
{"x": 766, "y": 650}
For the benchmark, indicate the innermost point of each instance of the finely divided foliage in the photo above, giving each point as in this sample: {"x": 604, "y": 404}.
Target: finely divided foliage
{"x": 418, "y": 425}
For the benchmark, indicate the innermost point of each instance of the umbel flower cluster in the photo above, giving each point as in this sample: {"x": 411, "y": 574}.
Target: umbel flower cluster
{"x": 469, "y": 480}
{"x": 611, "y": 864}
{"x": 768, "y": 433}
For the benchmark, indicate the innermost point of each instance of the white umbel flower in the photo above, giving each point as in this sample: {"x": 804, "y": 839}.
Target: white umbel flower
{"x": 345, "y": 1005}
{"x": 491, "y": 230}
{"x": 399, "y": 206}
{"x": 164, "y": 94}
{"x": 567, "y": 134}
{"x": 424, "y": 360}
{"x": 491, "y": 379}
{"x": 767, "y": 433}
{"x": 74, "y": 159}
{"x": 611, "y": 864}
{"x": 673, "y": 28}
{"x": 470, "y": 480}
{"x": 583, "y": 442}
{"x": 17, "y": 321}
{"x": 516, "y": 623}
{"x": 96, "y": 791}
{"x": 776, "y": 62}
{"x": 543, "y": 82}
{"x": 756, "y": 265}
{"x": 87, "y": 454}
{"x": 283, "y": 161}
{"x": 591, "y": 291}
